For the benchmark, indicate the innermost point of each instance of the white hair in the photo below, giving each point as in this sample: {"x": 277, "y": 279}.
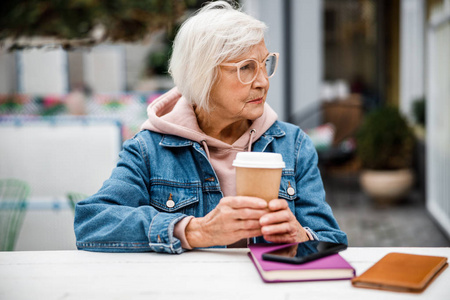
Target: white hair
{"x": 216, "y": 33}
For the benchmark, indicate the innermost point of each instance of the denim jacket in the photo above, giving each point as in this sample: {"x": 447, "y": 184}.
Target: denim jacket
{"x": 160, "y": 179}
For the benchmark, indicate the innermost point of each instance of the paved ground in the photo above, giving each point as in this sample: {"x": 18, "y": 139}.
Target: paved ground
{"x": 406, "y": 224}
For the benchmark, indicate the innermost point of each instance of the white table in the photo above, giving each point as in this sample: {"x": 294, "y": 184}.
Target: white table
{"x": 201, "y": 274}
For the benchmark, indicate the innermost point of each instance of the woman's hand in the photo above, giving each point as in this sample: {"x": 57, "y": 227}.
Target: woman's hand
{"x": 233, "y": 219}
{"x": 280, "y": 225}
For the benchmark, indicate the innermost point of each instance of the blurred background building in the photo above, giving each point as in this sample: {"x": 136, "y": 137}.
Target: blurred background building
{"x": 67, "y": 104}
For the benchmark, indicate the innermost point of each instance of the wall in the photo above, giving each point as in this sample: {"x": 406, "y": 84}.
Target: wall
{"x": 307, "y": 53}
{"x": 42, "y": 71}
{"x": 305, "y": 42}
{"x": 437, "y": 115}
{"x": 412, "y": 53}
{"x": 7, "y": 72}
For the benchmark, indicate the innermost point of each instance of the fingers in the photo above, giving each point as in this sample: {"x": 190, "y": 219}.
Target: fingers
{"x": 279, "y": 225}
{"x": 276, "y": 217}
{"x": 279, "y": 212}
{"x": 249, "y": 214}
{"x": 243, "y": 229}
{"x": 244, "y": 202}
{"x": 286, "y": 228}
{"x": 285, "y": 239}
{"x": 248, "y": 225}
{"x": 278, "y": 204}
{"x": 248, "y": 233}
{"x": 232, "y": 219}
{"x": 284, "y": 233}
{"x": 242, "y": 208}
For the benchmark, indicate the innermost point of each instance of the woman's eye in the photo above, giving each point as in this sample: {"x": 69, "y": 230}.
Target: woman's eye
{"x": 245, "y": 67}
{"x": 248, "y": 67}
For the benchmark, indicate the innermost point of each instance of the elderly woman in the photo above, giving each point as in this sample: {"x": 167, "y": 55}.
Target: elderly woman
{"x": 174, "y": 186}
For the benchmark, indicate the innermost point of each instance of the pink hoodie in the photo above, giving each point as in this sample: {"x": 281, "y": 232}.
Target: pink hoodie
{"x": 172, "y": 114}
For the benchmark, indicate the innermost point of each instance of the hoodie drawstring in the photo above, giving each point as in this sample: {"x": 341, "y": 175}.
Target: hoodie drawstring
{"x": 205, "y": 147}
{"x": 250, "y": 141}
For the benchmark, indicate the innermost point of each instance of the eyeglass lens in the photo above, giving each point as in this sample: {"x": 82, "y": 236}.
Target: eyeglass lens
{"x": 249, "y": 70}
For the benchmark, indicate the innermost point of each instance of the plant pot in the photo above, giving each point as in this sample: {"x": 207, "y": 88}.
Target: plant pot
{"x": 387, "y": 187}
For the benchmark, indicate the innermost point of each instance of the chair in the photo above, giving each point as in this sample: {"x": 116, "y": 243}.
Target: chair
{"x": 13, "y": 202}
{"x": 345, "y": 116}
{"x": 74, "y": 198}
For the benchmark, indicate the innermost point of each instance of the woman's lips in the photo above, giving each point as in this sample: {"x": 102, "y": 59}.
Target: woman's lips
{"x": 256, "y": 101}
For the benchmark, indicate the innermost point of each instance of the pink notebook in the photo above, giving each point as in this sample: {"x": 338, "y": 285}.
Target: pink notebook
{"x": 332, "y": 267}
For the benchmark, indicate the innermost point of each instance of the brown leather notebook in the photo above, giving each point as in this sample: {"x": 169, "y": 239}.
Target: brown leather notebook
{"x": 402, "y": 272}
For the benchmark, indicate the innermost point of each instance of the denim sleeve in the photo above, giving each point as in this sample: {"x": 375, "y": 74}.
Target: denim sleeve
{"x": 311, "y": 209}
{"x": 118, "y": 218}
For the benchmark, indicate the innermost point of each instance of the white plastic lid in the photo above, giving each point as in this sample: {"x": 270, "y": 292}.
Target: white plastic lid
{"x": 265, "y": 160}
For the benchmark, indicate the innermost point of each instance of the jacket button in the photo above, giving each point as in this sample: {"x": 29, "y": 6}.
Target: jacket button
{"x": 291, "y": 191}
{"x": 170, "y": 203}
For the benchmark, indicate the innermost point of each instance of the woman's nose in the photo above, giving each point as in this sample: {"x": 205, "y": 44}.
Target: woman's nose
{"x": 261, "y": 80}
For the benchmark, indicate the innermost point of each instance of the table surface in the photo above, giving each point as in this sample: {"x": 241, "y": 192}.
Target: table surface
{"x": 199, "y": 274}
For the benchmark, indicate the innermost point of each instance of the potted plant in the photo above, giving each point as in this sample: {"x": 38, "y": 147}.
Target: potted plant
{"x": 385, "y": 146}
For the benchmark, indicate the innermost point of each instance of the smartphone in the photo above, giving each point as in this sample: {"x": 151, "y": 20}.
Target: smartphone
{"x": 304, "y": 252}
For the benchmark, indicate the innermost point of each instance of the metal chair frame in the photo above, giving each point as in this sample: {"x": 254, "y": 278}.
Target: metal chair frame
{"x": 74, "y": 198}
{"x": 13, "y": 204}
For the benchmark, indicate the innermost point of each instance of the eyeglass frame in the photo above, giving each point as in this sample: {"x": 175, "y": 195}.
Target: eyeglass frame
{"x": 260, "y": 65}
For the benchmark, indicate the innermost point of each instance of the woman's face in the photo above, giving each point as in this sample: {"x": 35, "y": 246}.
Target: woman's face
{"x": 234, "y": 101}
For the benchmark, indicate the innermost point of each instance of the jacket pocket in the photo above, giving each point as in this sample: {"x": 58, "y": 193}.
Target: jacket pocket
{"x": 288, "y": 187}
{"x": 172, "y": 196}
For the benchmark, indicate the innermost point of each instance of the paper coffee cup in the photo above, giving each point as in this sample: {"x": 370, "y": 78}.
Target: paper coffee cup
{"x": 258, "y": 174}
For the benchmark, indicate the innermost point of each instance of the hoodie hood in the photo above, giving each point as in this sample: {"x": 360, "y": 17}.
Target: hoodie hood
{"x": 172, "y": 114}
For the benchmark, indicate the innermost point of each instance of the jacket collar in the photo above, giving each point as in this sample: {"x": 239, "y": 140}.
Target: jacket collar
{"x": 275, "y": 131}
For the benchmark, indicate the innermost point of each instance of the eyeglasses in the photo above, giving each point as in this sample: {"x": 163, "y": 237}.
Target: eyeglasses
{"x": 248, "y": 69}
